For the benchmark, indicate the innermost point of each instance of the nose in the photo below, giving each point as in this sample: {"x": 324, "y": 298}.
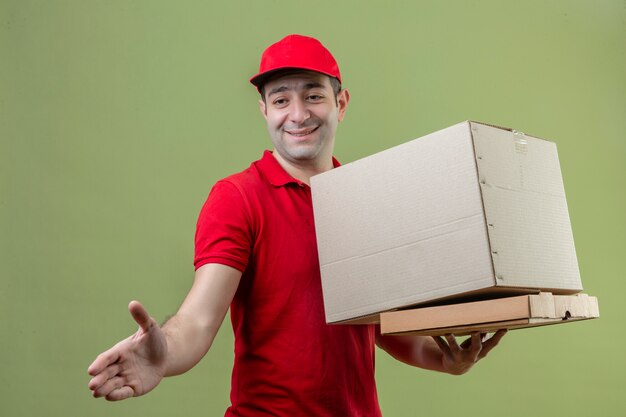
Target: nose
{"x": 299, "y": 111}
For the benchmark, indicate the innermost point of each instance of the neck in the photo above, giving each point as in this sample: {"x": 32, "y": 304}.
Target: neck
{"x": 304, "y": 170}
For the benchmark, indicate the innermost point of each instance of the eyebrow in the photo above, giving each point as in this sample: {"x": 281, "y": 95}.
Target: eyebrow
{"x": 283, "y": 88}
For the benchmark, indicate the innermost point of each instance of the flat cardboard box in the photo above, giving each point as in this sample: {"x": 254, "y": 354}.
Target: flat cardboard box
{"x": 491, "y": 315}
{"x": 470, "y": 210}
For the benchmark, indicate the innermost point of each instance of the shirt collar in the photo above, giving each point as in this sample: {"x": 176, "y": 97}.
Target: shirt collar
{"x": 276, "y": 174}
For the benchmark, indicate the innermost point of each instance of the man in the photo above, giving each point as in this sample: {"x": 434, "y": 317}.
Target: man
{"x": 256, "y": 251}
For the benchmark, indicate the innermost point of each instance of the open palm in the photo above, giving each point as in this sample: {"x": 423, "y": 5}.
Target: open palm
{"x": 133, "y": 366}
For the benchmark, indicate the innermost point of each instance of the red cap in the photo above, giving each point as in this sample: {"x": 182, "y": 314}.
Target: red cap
{"x": 296, "y": 52}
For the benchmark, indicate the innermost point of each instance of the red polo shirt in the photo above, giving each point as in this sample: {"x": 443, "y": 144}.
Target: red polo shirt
{"x": 288, "y": 361}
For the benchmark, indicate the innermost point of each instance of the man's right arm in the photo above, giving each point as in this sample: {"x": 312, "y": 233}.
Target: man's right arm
{"x": 137, "y": 364}
{"x": 191, "y": 331}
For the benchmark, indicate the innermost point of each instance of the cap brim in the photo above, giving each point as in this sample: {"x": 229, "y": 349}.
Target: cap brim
{"x": 261, "y": 78}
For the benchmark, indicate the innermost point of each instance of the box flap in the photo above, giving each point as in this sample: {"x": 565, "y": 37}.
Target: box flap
{"x": 526, "y": 210}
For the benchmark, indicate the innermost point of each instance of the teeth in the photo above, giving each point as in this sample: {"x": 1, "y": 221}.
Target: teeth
{"x": 307, "y": 132}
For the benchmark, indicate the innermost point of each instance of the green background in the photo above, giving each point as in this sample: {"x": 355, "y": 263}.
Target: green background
{"x": 116, "y": 117}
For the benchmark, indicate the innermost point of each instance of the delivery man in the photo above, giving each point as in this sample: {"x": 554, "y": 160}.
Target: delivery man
{"x": 255, "y": 251}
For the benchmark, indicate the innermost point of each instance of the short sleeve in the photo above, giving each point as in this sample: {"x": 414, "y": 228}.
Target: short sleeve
{"x": 224, "y": 231}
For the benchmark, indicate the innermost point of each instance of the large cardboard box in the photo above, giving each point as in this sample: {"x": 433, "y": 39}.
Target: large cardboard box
{"x": 473, "y": 209}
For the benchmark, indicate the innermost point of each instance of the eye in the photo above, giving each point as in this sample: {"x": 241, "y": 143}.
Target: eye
{"x": 279, "y": 102}
{"x": 314, "y": 97}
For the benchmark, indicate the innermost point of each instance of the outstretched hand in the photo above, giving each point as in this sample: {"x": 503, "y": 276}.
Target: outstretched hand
{"x": 458, "y": 359}
{"x": 135, "y": 365}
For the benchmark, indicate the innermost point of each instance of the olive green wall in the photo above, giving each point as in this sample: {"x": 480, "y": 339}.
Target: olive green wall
{"x": 116, "y": 117}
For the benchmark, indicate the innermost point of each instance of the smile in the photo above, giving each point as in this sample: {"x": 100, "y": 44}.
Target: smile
{"x": 301, "y": 132}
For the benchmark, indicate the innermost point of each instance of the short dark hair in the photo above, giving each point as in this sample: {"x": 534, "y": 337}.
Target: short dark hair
{"x": 334, "y": 83}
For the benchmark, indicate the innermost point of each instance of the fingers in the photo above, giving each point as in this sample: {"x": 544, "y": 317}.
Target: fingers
{"x": 141, "y": 316}
{"x": 458, "y": 359}
{"x": 121, "y": 394}
{"x": 98, "y": 380}
{"x": 114, "y": 390}
{"x": 476, "y": 345}
{"x": 108, "y": 387}
{"x": 476, "y": 339}
{"x": 469, "y": 349}
{"x": 452, "y": 343}
{"x": 492, "y": 342}
{"x": 443, "y": 346}
{"x": 115, "y": 372}
{"x": 103, "y": 360}
{"x": 499, "y": 335}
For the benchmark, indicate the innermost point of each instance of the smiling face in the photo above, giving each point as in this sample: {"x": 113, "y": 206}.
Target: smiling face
{"x": 302, "y": 116}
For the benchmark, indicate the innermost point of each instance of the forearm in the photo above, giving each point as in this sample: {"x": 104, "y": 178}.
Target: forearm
{"x": 418, "y": 351}
{"x": 438, "y": 355}
{"x": 187, "y": 343}
{"x": 191, "y": 331}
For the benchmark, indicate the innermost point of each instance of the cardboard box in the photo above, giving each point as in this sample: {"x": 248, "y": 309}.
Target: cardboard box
{"x": 473, "y": 209}
{"x": 490, "y": 315}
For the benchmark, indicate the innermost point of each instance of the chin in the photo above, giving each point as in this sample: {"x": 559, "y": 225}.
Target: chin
{"x": 302, "y": 156}
{"x": 304, "y": 153}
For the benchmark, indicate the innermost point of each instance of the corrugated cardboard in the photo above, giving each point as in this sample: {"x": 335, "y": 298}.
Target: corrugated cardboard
{"x": 470, "y": 209}
{"x": 490, "y": 315}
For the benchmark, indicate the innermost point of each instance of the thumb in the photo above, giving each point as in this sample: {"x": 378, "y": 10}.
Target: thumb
{"x": 140, "y": 315}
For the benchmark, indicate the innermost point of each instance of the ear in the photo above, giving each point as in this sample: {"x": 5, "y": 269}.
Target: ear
{"x": 343, "y": 98}
{"x": 263, "y": 108}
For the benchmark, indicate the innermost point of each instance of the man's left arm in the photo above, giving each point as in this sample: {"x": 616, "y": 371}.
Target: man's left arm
{"x": 437, "y": 353}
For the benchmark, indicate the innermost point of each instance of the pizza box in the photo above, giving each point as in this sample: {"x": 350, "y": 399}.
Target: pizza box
{"x": 486, "y": 316}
